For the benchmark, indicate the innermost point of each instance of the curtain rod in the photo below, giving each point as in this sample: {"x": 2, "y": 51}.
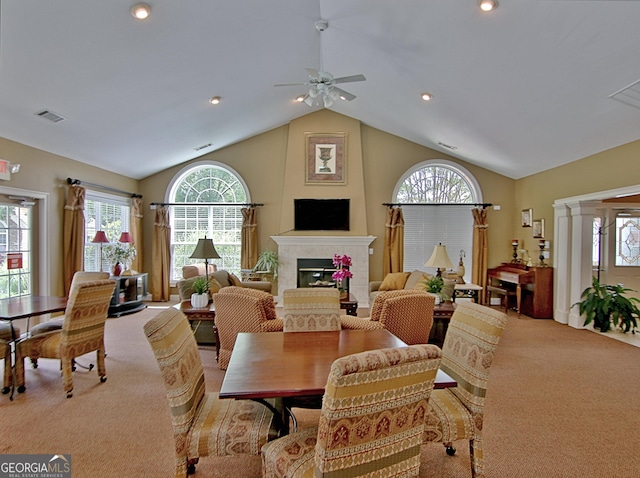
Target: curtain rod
{"x": 105, "y": 188}
{"x": 484, "y": 205}
{"x": 251, "y": 204}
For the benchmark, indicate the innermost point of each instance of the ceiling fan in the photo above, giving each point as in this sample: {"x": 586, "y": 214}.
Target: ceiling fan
{"x": 322, "y": 91}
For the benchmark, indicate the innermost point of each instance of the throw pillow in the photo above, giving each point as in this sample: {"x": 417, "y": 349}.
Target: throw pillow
{"x": 414, "y": 278}
{"x": 222, "y": 277}
{"x": 447, "y": 289}
{"x": 234, "y": 280}
{"x": 394, "y": 281}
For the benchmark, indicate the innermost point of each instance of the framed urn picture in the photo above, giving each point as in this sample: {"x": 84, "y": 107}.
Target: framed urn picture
{"x": 325, "y": 155}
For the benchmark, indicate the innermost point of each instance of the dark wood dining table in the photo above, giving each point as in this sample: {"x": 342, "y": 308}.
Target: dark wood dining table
{"x": 297, "y": 364}
{"x": 25, "y": 307}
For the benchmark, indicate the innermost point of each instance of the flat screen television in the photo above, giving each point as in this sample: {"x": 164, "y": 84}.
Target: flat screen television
{"x": 321, "y": 214}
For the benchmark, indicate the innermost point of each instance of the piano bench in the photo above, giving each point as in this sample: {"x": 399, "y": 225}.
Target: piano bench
{"x": 503, "y": 293}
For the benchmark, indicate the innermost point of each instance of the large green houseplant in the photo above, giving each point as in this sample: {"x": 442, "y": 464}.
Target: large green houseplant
{"x": 267, "y": 262}
{"x": 606, "y": 306}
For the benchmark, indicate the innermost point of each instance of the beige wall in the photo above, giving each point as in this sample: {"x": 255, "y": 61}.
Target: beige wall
{"x": 267, "y": 162}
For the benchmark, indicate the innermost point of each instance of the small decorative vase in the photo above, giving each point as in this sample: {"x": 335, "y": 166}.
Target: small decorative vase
{"x": 117, "y": 269}
{"x": 199, "y": 301}
{"x": 344, "y": 294}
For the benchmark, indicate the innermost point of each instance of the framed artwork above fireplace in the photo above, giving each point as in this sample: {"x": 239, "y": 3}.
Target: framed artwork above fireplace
{"x": 325, "y": 155}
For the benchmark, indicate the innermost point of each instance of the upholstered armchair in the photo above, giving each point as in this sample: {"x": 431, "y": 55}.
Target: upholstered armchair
{"x": 467, "y": 353}
{"x": 311, "y": 309}
{"x": 203, "y": 425}
{"x": 407, "y": 314}
{"x": 5, "y": 352}
{"x": 82, "y": 332}
{"x": 371, "y": 421}
{"x": 239, "y": 309}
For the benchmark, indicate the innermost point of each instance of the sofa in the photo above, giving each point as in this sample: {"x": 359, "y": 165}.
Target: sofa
{"x": 217, "y": 280}
{"x": 408, "y": 281}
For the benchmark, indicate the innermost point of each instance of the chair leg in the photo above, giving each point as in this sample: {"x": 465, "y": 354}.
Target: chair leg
{"x": 67, "y": 377}
{"x": 477, "y": 458}
{"x": 449, "y": 448}
{"x": 102, "y": 371}
{"x": 8, "y": 373}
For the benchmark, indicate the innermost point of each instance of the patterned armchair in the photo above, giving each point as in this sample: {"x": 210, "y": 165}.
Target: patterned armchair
{"x": 311, "y": 309}
{"x": 371, "y": 422}
{"x": 5, "y": 352}
{"x": 82, "y": 332}
{"x": 203, "y": 425}
{"x": 240, "y": 309}
{"x": 407, "y": 314}
{"x": 467, "y": 353}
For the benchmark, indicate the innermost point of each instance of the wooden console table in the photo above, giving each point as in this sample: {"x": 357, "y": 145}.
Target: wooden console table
{"x": 204, "y": 317}
{"x": 441, "y": 316}
{"x": 129, "y": 294}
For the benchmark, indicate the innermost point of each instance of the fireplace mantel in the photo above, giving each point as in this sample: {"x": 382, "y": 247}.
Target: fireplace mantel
{"x": 291, "y": 248}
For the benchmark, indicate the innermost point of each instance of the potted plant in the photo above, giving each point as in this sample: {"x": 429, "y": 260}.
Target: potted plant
{"x": 200, "y": 298}
{"x": 606, "y": 306}
{"x": 434, "y": 285}
{"x": 267, "y": 262}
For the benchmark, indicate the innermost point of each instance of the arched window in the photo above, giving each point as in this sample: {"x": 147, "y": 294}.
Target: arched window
{"x": 450, "y": 189}
{"x": 215, "y": 185}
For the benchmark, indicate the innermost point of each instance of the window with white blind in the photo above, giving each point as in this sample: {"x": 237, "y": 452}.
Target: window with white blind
{"x": 445, "y": 192}
{"x": 213, "y": 184}
{"x": 103, "y": 212}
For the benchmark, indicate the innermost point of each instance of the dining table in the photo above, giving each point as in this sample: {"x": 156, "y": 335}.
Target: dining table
{"x": 296, "y": 364}
{"x": 25, "y": 307}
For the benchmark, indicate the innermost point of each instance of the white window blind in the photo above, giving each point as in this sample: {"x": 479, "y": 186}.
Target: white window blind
{"x": 427, "y": 226}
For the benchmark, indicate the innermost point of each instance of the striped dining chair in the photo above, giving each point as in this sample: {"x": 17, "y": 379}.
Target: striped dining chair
{"x": 311, "y": 309}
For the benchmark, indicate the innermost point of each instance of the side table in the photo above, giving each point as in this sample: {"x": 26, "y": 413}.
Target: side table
{"x": 467, "y": 290}
{"x": 441, "y": 316}
{"x": 196, "y": 318}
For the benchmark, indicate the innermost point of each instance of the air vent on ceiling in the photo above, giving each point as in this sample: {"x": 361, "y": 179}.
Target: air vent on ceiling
{"x": 204, "y": 146}
{"x": 51, "y": 116}
{"x": 448, "y": 146}
{"x": 629, "y": 95}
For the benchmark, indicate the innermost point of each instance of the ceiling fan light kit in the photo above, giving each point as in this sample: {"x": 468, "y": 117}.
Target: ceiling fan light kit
{"x": 322, "y": 91}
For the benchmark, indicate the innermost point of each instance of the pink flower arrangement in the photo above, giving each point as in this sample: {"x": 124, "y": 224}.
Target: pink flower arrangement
{"x": 341, "y": 263}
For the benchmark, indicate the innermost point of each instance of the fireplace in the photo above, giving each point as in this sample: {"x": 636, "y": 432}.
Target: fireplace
{"x": 317, "y": 273}
{"x": 292, "y": 248}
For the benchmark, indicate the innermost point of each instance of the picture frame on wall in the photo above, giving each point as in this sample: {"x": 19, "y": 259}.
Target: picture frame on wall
{"x": 326, "y": 158}
{"x": 527, "y": 214}
{"x": 538, "y": 228}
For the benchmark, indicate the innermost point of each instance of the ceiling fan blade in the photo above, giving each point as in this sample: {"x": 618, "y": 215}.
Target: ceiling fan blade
{"x": 290, "y": 84}
{"x": 313, "y": 73}
{"x": 349, "y": 79}
{"x": 345, "y": 95}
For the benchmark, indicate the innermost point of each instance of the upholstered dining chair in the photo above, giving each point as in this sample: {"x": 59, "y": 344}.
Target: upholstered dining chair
{"x": 311, "y": 309}
{"x": 371, "y": 421}
{"x": 241, "y": 309}
{"x": 407, "y": 314}
{"x": 203, "y": 425}
{"x": 6, "y": 337}
{"x": 82, "y": 332}
{"x": 467, "y": 353}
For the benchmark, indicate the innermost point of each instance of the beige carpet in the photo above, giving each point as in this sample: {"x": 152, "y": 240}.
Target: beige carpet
{"x": 561, "y": 403}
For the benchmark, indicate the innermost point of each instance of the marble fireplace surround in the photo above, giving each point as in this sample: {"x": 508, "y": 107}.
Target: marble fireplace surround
{"x": 292, "y": 248}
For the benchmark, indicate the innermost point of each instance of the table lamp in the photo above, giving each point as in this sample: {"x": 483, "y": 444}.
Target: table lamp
{"x": 125, "y": 238}
{"x": 100, "y": 238}
{"x": 439, "y": 259}
{"x": 205, "y": 250}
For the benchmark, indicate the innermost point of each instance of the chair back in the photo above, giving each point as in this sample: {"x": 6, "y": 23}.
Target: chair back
{"x": 239, "y": 309}
{"x": 176, "y": 352}
{"x": 84, "y": 317}
{"x": 468, "y": 349}
{"x": 406, "y": 314}
{"x": 81, "y": 277}
{"x": 311, "y": 309}
{"x": 373, "y": 412}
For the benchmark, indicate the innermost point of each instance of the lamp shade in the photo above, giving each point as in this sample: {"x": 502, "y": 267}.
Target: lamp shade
{"x": 100, "y": 237}
{"x": 125, "y": 237}
{"x": 205, "y": 250}
{"x": 439, "y": 258}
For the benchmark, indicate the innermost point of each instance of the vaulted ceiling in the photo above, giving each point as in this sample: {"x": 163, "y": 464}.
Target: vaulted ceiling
{"x": 518, "y": 90}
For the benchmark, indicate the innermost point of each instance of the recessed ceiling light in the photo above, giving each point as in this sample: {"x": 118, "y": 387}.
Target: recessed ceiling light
{"x": 215, "y": 100}
{"x": 300, "y": 98}
{"x": 488, "y": 5}
{"x": 140, "y": 11}
{"x": 427, "y": 96}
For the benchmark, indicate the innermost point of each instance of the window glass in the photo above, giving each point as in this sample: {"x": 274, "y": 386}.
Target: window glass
{"x": 437, "y": 183}
{"x": 628, "y": 241}
{"x": 15, "y": 237}
{"x": 215, "y": 185}
{"x": 106, "y": 213}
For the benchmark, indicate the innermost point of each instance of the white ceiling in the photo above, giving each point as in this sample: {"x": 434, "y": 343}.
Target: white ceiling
{"x": 517, "y": 91}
